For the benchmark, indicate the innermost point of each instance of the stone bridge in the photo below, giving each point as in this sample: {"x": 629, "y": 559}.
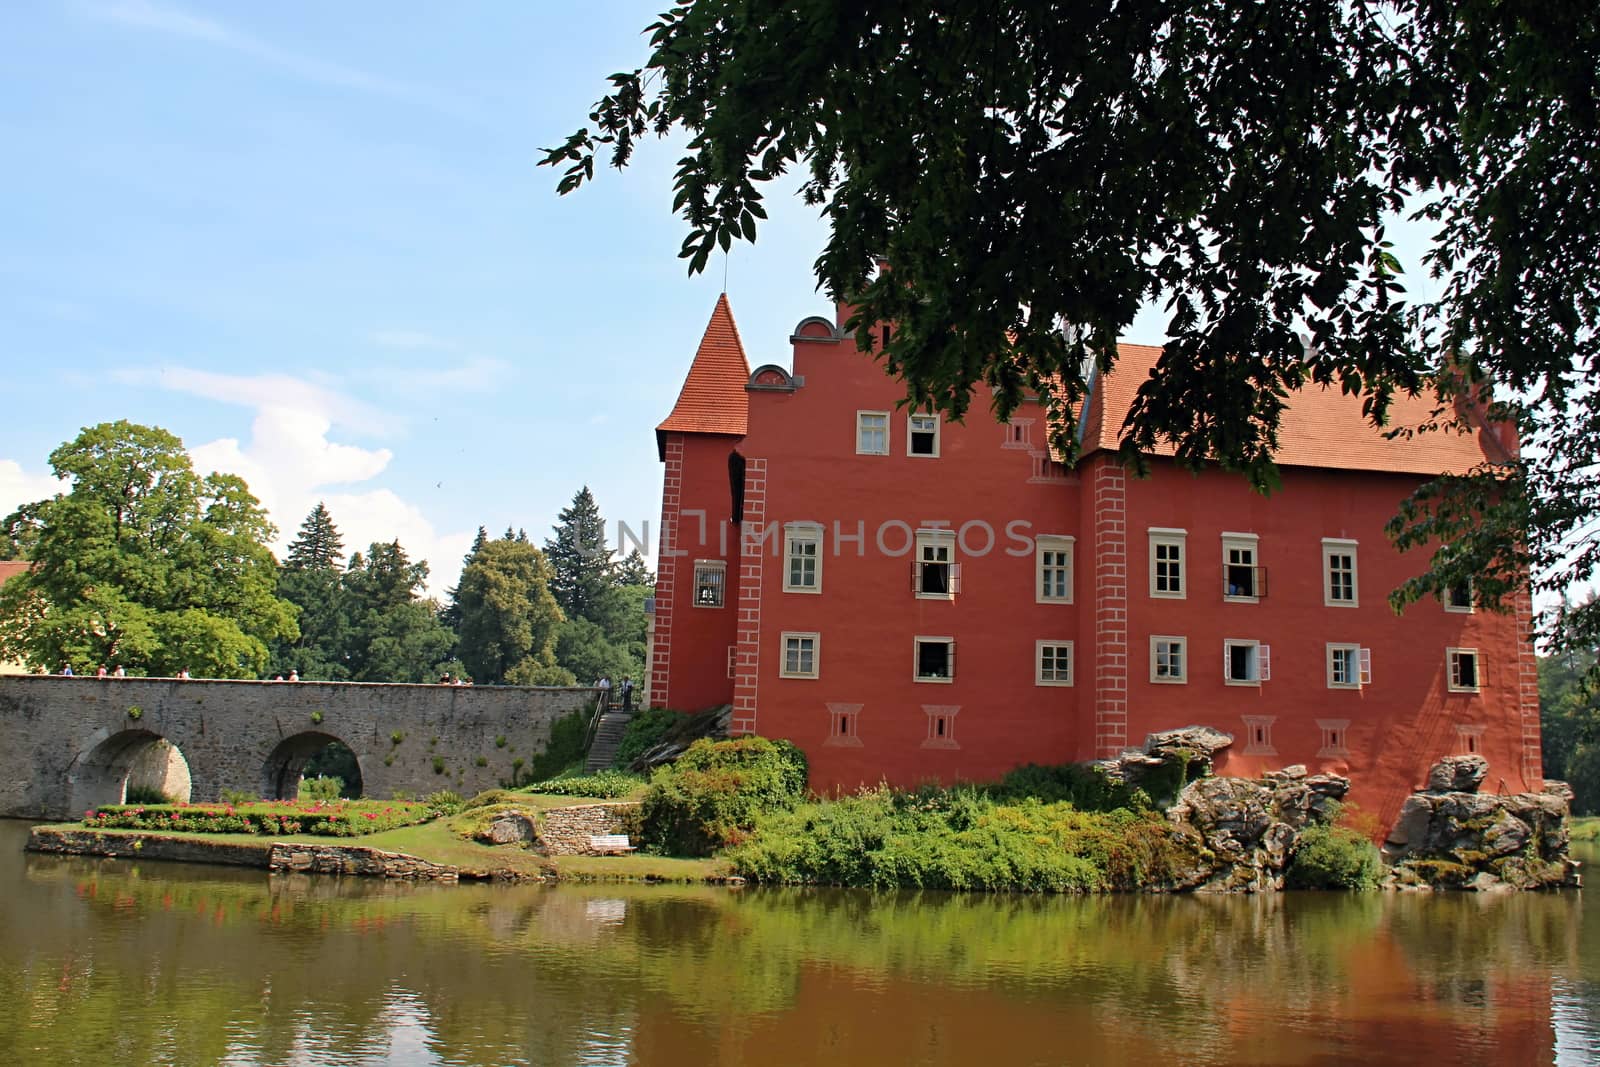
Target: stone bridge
{"x": 72, "y": 742}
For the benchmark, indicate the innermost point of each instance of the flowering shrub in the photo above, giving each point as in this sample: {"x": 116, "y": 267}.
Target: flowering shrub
{"x": 272, "y": 818}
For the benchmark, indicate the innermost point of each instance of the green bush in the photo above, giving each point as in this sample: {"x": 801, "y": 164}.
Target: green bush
{"x": 444, "y": 802}
{"x": 717, "y": 790}
{"x": 238, "y": 797}
{"x": 600, "y": 784}
{"x": 961, "y": 839}
{"x": 1334, "y": 857}
{"x": 321, "y": 788}
{"x": 1084, "y": 786}
{"x": 265, "y": 817}
{"x": 567, "y": 746}
{"x": 146, "y": 794}
{"x": 645, "y": 731}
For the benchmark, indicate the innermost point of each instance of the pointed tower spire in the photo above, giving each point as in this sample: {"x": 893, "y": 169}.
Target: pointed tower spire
{"x": 713, "y": 399}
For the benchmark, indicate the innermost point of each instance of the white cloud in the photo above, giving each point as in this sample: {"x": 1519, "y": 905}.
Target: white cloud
{"x": 175, "y": 22}
{"x": 19, "y": 487}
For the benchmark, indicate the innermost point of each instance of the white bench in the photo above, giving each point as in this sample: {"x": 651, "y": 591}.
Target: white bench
{"x": 609, "y": 844}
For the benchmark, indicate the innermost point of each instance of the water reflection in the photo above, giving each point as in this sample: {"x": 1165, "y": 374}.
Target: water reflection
{"x": 121, "y": 962}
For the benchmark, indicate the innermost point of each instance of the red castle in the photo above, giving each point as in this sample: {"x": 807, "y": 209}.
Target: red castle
{"x": 910, "y": 599}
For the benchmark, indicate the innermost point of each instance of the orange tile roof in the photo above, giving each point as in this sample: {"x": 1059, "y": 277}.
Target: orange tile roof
{"x": 9, "y": 569}
{"x": 1321, "y": 427}
{"x": 713, "y": 399}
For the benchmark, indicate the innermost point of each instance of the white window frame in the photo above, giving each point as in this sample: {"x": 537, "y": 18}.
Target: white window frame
{"x": 1170, "y": 537}
{"x": 935, "y": 539}
{"x": 1359, "y": 661}
{"x": 1057, "y": 543}
{"x": 1452, "y": 670}
{"x": 861, "y": 416}
{"x": 1262, "y": 660}
{"x": 709, "y": 566}
{"x": 1038, "y": 663}
{"x": 1340, "y": 546}
{"x": 911, "y": 420}
{"x": 1242, "y": 541}
{"x": 1460, "y": 609}
{"x": 1182, "y": 677}
{"x": 802, "y": 533}
{"x": 783, "y": 654}
{"x": 916, "y": 659}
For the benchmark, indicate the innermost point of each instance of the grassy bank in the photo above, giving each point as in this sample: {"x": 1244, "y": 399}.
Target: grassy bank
{"x": 1586, "y": 828}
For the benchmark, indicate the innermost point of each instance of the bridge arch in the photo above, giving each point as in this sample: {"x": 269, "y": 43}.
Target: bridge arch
{"x": 280, "y": 775}
{"x": 102, "y": 774}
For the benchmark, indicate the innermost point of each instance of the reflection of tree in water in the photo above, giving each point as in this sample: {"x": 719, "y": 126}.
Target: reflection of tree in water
{"x": 171, "y": 963}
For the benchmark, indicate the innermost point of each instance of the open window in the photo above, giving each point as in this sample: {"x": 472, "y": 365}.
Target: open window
{"x": 1246, "y": 662}
{"x": 1458, "y": 598}
{"x": 922, "y": 435}
{"x": 935, "y": 659}
{"x": 1349, "y": 666}
{"x": 934, "y": 573}
{"x": 1466, "y": 672}
{"x": 1244, "y": 580}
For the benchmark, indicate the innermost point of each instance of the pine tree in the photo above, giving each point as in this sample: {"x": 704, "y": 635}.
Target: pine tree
{"x": 318, "y": 545}
{"x": 580, "y": 561}
{"x": 634, "y": 571}
{"x": 451, "y": 615}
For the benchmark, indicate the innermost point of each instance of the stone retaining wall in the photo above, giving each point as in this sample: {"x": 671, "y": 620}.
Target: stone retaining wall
{"x": 147, "y": 846}
{"x": 357, "y": 860}
{"x": 566, "y": 831}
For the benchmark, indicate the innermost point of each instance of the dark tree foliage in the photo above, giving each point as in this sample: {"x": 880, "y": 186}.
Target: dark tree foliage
{"x": 579, "y": 558}
{"x": 1037, "y": 171}
{"x": 508, "y": 616}
{"x": 317, "y": 545}
{"x": 634, "y": 571}
{"x": 312, "y": 579}
{"x": 395, "y": 635}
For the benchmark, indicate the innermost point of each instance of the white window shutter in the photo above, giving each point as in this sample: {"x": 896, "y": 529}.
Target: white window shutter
{"x": 950, "y": 660}
{"x": 1227, "y": 662}
{"x": 1264, "y": 662}
{"x": 916, "y": 577}
{"x": 1366, "y": 666}
{"x": 955, "y": 578}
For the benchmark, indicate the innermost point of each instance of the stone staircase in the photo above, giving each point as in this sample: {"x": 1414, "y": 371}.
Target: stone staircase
{"x": 607, "y": 737}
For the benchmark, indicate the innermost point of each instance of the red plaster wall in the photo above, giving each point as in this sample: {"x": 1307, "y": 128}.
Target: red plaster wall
{"x": 867, "y": 615}
{"x": 691, "y": 650}
{"x": 1400, "y": 723}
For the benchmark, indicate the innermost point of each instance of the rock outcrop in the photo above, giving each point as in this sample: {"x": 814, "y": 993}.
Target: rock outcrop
{"x": 1251, "y": 827}
{"x": 713, "y": 725}
{"x": 1451, "y": 836}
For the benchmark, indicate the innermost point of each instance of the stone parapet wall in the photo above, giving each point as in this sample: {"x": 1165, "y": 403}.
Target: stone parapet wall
{"x": 75, "y": 740}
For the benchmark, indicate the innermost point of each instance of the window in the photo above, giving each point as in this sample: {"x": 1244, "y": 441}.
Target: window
{"x": 935, "y": 659}
{"x": 1458, "y": 597}
{"x": 941, "y": 725}
{"x": 1246, "y": 662}
{"x": 922, "y": 435}
{"x": 799, "y": 655}
{"x": 872, "y": 433}
{"x": 1335, "y": 739}
{"x": 1349, "y": 666}
{"x": 1466, "y": 673}
{"x": 1242, "y": 579}
{"x": 1166, "y": 562}
{"x": 1339, "y": 573}
{"x": 1053, "y": 569}
{"x": 1054, "y": 662}
{"x": 802, "y": 555}
{"x": 844, "y": 725}
{"x": 1169, "y": 660}
{"x": 710, "y": 576}
{"x": 1258, "y": 735}
{"x": 934, "y": 574}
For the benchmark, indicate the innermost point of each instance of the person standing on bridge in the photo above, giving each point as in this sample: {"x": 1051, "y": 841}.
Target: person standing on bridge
{"x": 119, "y": 672}
{"x": 294, "y": 676}
{"x": 627, "y": 695}
{"x": 101, "y": 673}
{"x": 66, "y": 670}
{"x": 604, "y": 685}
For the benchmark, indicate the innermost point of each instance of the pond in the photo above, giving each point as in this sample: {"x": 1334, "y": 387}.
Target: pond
{"x": 112, "y": 962}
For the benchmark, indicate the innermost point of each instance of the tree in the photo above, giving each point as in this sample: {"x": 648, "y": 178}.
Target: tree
{"x": 580, "y": 562}
{"x": 508, "y": 615}
{"x": 1036, "y": 172}
{"x": 143, "y": 563}
{"x": 312, "y": 579}
{"x": 634, "y": 571}
{"x": 451, "y": 616}
{"x": 395, "y": 635}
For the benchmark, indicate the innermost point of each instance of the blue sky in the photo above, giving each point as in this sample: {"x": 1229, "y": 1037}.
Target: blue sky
{"x": 311, "y": 241}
